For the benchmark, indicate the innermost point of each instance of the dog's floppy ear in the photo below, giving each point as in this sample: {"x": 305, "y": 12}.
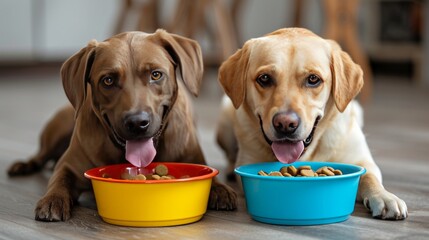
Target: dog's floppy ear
{"x": 75, "y": 73}
{"x": 232, "y": 75}
{"x": 186, "y": 53}
{"x": 347, "y": 77}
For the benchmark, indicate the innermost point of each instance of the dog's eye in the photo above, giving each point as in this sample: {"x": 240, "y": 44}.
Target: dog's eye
{"x": 155, "y": 75}
{"x": 108, "y": 81}
{"x": 264, "y": 80}
{"x": 313, "y": 80}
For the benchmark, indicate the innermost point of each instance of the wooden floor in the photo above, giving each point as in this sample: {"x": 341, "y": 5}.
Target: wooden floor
{"x": 397, "y": 127}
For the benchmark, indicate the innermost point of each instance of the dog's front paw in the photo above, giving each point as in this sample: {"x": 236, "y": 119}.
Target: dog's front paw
{"x": 54, "y": 207}
{"x": 386, "y": 205}
{"x": 22, "y": 168}
{"x": 222, "y": 197}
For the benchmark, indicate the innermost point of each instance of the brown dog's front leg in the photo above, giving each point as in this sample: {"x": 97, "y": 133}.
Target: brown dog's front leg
{"x": 54, "y": 140}
{"x": 222, "y": 197}
{"x": 57, "y": 203}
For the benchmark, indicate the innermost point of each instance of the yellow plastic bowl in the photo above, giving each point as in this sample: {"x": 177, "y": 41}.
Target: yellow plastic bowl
{"x": 152, "y": 203}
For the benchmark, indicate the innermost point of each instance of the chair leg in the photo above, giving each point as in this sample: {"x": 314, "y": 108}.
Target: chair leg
{"x": 148, "y": 19}
{"x": 122, "y": 16}
{"x": 224, "y": 30}
{"x": 341, "y": 26}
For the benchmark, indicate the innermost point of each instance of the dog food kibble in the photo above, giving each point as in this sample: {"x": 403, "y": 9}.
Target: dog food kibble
{"x": 307, "y": 173}
{"x": 127, "y": 176}
{"x": 275, "y": 173}
{"x": 304, "y": 167}
{"x": 302, "y": 171}
{"x": 160, "y": 172}
{"x": 105, "y": 175}
{"x": 156, "y": 177}
{"x": 327, "y": 171}
{"x": 289, "y": 171}
{"x": 140, "y": 177}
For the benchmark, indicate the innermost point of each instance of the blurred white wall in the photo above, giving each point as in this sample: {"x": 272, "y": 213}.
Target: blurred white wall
{"x": 16, "y": 38}
{"x": 52, "y": 30}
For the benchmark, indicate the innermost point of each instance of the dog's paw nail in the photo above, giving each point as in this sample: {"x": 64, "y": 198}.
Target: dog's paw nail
{"x": 366, "y": 203}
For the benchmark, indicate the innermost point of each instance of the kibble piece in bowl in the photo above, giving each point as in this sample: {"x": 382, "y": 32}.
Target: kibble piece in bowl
{"x": 302, "y": 171}
{"x": 160, "y": 172}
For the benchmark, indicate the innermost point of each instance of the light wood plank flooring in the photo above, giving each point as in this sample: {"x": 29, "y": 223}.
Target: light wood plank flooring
{"x": 397, "y": 128}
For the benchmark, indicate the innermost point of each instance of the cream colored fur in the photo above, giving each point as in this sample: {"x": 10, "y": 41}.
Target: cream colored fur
{"x": 289, "y": 57}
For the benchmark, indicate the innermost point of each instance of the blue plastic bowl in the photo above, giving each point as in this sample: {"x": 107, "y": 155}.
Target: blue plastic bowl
{"x": 300, "y": 200}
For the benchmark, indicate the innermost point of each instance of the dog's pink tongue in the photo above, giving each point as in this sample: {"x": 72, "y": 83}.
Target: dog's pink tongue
{"x": 140, "y": 153}
{"x": 287, "y": 152}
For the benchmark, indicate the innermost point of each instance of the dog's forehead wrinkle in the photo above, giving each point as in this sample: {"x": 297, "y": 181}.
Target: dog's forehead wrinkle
{"x": 139, "y": 100}
{"x": 283, "y": 99}
{"x": 149, "y": 56}
{"x": 112, "y": 55}
{"x": 141, "y": 50}
{"x": 267, "y": 52}
{"x": 131, "y": 50}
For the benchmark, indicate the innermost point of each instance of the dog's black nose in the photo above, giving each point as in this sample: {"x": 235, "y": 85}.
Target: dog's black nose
{"x": 137, "y": 123}
{"x": 286, "y": 123}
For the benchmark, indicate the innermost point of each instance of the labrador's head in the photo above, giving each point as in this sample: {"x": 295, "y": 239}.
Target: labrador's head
{"x": 130, "y": 81}
{"x": 285, "y": 81}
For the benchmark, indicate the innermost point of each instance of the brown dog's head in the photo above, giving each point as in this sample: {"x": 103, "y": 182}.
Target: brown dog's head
{"x": 286, "y": 80}
{"x": 130, "y": 80}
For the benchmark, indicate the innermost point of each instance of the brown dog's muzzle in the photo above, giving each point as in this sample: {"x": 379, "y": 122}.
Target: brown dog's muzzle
{"x": 136, "y": 124}
{"x": 132, "y": 126}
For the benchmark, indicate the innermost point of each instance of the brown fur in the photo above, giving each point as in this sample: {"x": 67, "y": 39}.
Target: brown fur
{"x": 129, "y": 58}
{"x": 290, "y": 56}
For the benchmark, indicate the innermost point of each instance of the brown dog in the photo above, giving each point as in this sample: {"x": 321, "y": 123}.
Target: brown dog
{"x": 291, "y": 98}
{"x": 126, "y": 95}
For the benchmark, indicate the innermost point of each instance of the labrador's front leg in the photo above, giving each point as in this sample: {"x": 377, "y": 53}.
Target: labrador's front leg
{"x": 379, "y": 201}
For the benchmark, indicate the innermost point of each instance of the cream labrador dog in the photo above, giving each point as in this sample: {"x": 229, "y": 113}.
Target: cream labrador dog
{"x": 291, "y": 98}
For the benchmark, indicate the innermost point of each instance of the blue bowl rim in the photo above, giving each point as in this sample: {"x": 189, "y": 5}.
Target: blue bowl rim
{"x": 360, "y": 171}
